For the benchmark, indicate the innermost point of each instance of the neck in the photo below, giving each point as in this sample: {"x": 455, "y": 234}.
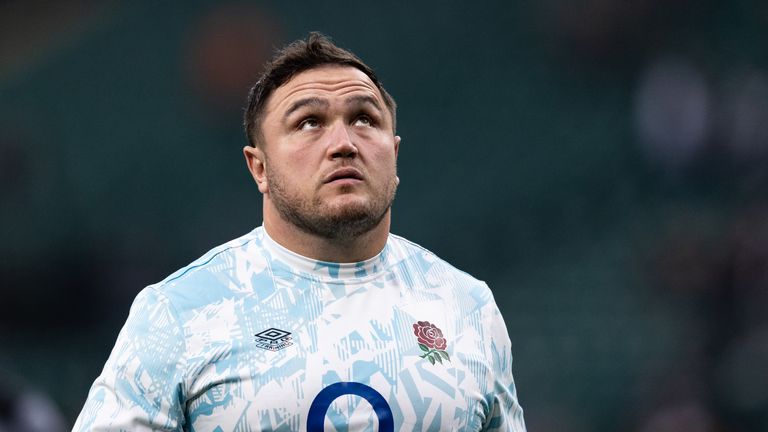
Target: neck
{"x": 356, "y": 249}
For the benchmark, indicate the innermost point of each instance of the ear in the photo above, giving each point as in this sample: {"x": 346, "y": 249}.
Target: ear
{"x": 397, "y": 149}
{"x": 254, "y": 158}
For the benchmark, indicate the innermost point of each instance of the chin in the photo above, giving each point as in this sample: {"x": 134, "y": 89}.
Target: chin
{"x": 346, "y": 203}
{"x": 349, "y": 212}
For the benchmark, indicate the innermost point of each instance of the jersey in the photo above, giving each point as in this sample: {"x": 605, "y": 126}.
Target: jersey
{"x": 253, "y": 337}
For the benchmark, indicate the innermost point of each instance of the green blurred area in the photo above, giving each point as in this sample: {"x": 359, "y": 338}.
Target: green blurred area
{"x": 520, "y": 163}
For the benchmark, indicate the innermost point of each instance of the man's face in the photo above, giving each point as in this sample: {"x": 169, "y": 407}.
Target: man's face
{"x": 329, "y": 153}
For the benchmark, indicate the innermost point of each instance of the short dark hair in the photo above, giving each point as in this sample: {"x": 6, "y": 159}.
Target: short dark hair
{"x": 299, "y": 56}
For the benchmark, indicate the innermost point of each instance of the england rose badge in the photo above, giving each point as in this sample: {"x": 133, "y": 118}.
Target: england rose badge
{"x": 431, "y": 341}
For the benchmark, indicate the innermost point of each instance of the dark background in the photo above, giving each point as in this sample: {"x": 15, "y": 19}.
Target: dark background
{"x": 601, "y": 164}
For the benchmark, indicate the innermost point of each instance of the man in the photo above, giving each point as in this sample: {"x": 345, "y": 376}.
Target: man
{"x": 320, "y": 319}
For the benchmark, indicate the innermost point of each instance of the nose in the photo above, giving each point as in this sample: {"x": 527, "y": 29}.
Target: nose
{"x": 341, "y": 144}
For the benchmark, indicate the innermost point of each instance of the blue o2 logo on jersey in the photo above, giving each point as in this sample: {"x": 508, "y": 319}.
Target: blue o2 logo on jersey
{"x": 324, "y": 399}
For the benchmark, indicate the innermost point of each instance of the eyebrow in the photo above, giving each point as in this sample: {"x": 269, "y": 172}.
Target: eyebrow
{"x": 363, "y": 100}
{"x": 301, "y": 103}
{"x": 318, "y": 102}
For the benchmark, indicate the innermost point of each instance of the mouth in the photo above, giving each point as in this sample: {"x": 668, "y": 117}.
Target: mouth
{"x": 344, "y": 174}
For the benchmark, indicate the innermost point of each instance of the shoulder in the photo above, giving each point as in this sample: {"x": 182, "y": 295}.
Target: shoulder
{"x": 413, "y": 254}
{"x": 418, "y": 260}
{"x": 215, "y": 274}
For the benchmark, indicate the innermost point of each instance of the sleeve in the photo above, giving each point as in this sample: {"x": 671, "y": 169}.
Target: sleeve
{"x": 505, "y": 412}
{"x": 140, "y": 388}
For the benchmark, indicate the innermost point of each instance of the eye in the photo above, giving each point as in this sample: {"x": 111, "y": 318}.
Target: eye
{"x": 309, "y": 124}
{"x": 363, "y": 120}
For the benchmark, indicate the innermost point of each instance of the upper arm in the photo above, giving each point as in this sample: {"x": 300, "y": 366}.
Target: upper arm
{"x": 505, "y": 412}
{"x": 140, "y": 387}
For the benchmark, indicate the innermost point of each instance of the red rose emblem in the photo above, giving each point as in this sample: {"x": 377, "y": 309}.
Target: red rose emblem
{"x": 431, "y": 341}
{"x": 428, "y": 334}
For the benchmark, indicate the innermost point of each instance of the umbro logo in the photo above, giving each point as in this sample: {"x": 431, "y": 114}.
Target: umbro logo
{"x": 273, "y": 339}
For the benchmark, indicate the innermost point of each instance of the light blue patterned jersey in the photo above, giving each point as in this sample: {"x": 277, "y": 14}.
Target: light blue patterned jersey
{"x": 253, "y": 337}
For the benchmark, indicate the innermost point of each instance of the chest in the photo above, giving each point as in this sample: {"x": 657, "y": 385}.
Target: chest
{"x": 368, "y": 361}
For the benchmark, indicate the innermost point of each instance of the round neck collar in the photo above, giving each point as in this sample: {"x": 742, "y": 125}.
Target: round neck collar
{"x": 324, "y": 270}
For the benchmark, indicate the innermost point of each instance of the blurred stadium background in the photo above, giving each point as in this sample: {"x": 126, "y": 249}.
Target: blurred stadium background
{"x": 602, "y": 164}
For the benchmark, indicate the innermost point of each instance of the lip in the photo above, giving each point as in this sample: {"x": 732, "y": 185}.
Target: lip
{"x": 346, "y": 173}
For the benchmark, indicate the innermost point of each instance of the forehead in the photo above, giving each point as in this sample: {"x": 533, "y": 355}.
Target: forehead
{"x": 324, "y": 82}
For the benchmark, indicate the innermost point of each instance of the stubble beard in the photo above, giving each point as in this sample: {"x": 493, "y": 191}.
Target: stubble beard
{"x": 316, "y": 217}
